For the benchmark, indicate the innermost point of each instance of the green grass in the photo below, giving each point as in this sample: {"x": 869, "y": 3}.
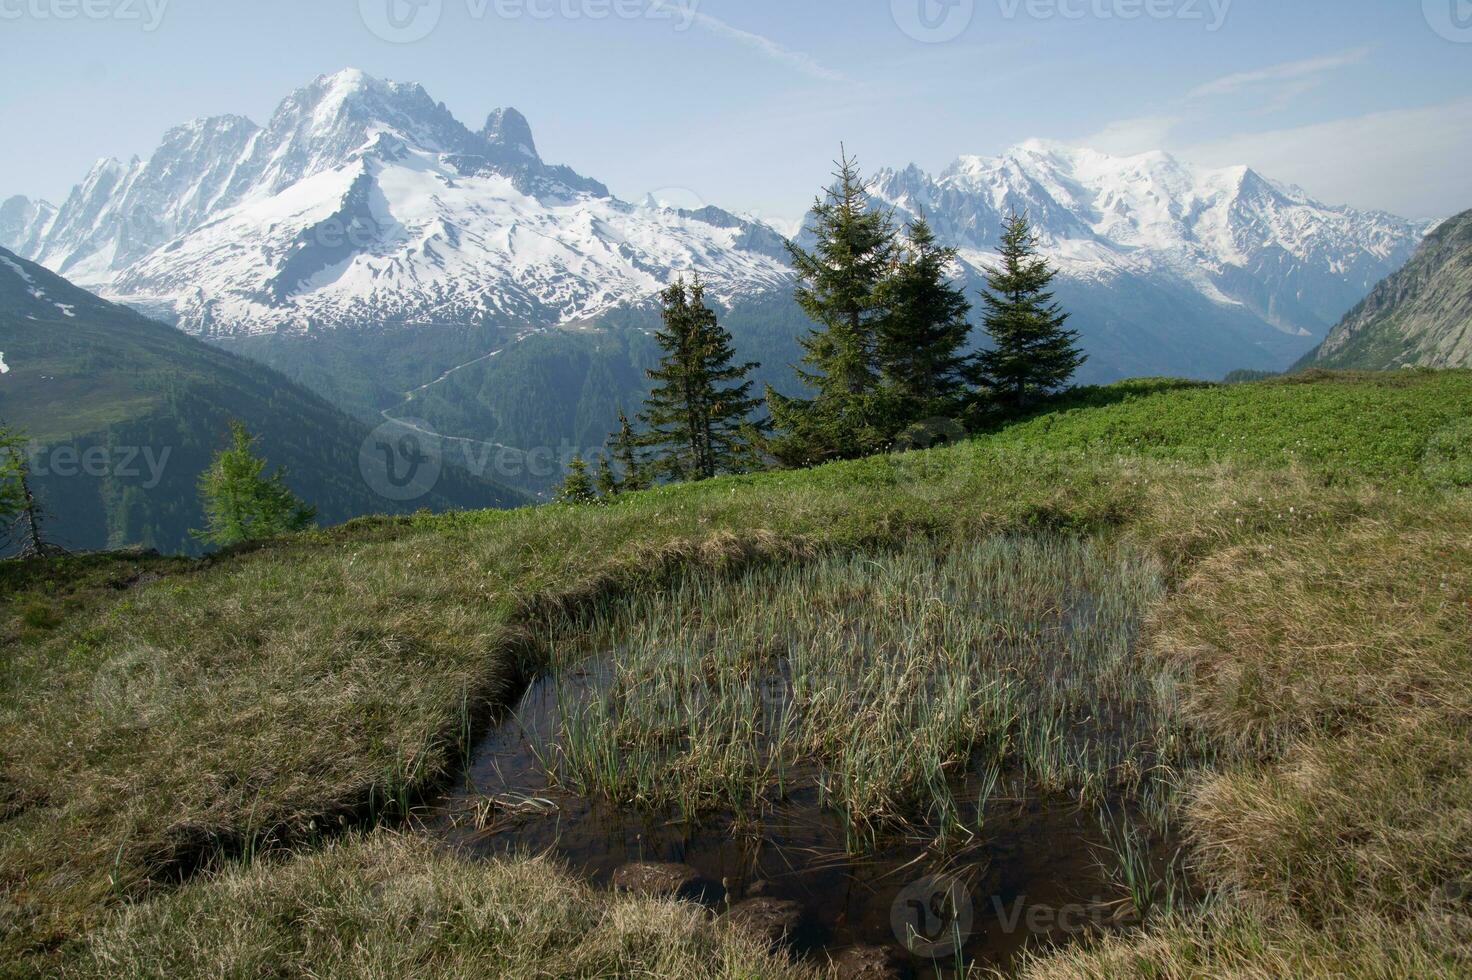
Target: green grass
{"x": 1376, "y": 424}
{"x": 1318, "y": 610}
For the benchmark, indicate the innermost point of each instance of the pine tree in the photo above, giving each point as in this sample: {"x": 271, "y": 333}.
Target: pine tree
{"x": 697, "y": 416}
{"x": 241, "y": 503}
{"x": 923, "y": 334}
{"x": 840, "y": 291}
{"x": 1032, "y": 354}
{"x": 577, "y": 486}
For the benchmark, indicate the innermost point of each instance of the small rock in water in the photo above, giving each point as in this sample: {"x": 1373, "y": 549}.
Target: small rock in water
{"x": 773, "y": 919}
{"x": 655, "y": 880}
{"x": 869, "y": 963}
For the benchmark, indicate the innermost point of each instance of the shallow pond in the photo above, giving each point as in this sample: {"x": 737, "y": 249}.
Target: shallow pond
{"x": 1037, "y": 873}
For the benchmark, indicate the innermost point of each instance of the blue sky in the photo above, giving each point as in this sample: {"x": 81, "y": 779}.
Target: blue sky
{"x": 743, "y": 103}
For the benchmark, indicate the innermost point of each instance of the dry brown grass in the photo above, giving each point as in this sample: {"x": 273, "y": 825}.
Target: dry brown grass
{"x": 388, "y": 906}
{"x": 1338, "y": 666}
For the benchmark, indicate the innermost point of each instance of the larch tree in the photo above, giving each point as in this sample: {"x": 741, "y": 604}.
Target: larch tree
{"x": 241, "y": 503}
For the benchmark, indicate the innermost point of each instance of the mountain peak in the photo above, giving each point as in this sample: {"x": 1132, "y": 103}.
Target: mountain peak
{"x": 350, "y": 81}
{"x": 1239, "y": 241}
{"x": 353, "y": 86}
{"x": 1038, "y": 146}
{"x": 23, "y": 221}
{"x": 509, "y": 128}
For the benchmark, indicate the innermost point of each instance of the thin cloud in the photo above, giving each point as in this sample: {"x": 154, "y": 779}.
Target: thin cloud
{"x": 1293, "y": 71}
{"x": 1405, "y": 161}
{"x": 1274, "y": 88}
{"x": 768, "y": 48}
{"x": 1124, "y": 137}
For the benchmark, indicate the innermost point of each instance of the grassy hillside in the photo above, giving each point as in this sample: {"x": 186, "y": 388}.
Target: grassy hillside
{"x": 126, "y": 413}
{"x": 1373, "y": 424}
{"x": 259, "y": 724}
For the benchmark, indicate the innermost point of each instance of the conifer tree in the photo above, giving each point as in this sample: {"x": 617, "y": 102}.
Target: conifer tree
{"x": 241, "y": 503}
{"x": 923, "y": 334}
{"x": 604, "y": 479}
{"x": 21, "y": 515}
{"x": 697, "y": 416}
{"x": 31, "y": 520}
{"x": 840, "y": 291}
{"x": 626, "y": 455}
{"x": 12, "y": 474}
{"x": 1032, "y": 353}
{"x": 577, "y": 486}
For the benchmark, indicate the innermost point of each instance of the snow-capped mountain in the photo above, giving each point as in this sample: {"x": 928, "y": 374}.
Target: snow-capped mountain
{"x": 1231, "y": 236}
{"x": 365, "y": 204}
{"x": 364, "y": 201}
{"x": 23, "y": 222}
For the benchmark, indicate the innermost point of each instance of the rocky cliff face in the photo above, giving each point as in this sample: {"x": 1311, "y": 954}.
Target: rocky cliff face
{"x": 1420, "y": 316}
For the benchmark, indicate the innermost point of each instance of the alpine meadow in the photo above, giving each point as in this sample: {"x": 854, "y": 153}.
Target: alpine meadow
{"x": 931, "y": 509}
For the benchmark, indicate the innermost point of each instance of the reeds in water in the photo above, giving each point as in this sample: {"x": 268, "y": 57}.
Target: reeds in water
{"x": 880, "y": 679}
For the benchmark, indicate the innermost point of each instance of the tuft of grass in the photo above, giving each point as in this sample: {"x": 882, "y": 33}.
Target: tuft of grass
{"x": 1333, "y": 670}
{"x": 428, "y": 913}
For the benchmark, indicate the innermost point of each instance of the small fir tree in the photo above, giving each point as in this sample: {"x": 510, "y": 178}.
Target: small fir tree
{"x": 923, "y": 334}
{"x": 604, "y": 479}
{"x": 840, "y": 290}
{"x": 1032, "y": 353}
{"x": 577, "y": 487}
{"x": 697, "y": 417}
{"x": 626, "y": 455}
{"x": 241, "y": 503}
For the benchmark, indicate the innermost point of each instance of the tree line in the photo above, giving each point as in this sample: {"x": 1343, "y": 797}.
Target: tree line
{"x": 889, "y": 350}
